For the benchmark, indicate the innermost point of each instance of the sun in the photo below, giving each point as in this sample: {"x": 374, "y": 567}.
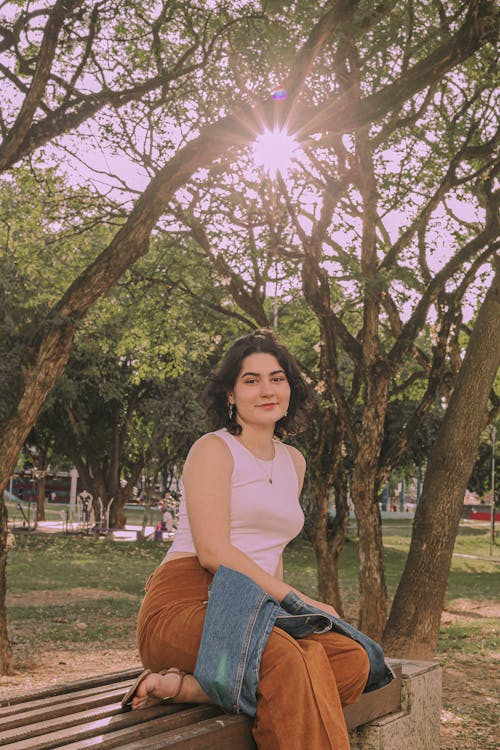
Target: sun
{"x": 274, "y": 151}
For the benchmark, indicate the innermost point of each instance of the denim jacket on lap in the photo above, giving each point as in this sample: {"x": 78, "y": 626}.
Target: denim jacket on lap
{"x": 239, "y": 619}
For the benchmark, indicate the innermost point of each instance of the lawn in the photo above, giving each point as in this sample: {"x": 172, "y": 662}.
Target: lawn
{"x": 74, "y": 595}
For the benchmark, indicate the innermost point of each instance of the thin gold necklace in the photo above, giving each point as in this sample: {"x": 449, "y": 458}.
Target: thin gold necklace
{"x": 269, "y": 476}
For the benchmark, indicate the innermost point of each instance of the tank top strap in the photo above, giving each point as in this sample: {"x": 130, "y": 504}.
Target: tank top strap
{"x": 234, "y": 445}
{"x": 239, "y": 450}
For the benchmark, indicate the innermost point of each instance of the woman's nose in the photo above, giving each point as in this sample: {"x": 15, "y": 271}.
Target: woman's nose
{"x": 266, "y": 387}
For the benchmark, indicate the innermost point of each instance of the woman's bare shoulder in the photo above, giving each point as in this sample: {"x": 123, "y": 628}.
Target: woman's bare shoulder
{"x": 209, "y": 447}
{"x": 299, "y": 463}
{"x": 208, "y": 466}
{"x": 296, "y": 455}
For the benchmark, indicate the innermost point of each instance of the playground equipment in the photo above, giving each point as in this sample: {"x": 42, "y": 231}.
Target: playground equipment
{"x": 26, "y": 519}
{"x": 91, "y": 515}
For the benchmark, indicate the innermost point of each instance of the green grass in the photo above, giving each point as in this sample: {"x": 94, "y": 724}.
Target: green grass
{"x": 474, "y": 639}
{"x": 52, "y": 562}
{"x": 43, "y": 561}
{"x": 469, "y": 577}
{"x": 95, "y": 622}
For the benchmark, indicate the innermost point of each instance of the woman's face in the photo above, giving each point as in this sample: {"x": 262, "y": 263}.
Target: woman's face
{"x": 261, "y": 392}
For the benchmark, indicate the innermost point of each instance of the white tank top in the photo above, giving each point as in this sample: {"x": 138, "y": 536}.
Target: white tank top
{"x": 264, "y": 516}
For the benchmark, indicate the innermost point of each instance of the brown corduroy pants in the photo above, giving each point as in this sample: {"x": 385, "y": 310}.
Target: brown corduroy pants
{"x": 303, "y": 683}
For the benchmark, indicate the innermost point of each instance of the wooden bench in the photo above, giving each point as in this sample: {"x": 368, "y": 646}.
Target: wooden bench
{"x": 87, "y": 714}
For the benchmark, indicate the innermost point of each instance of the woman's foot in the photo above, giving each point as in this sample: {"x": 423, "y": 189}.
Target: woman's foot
{"x": 158, "y": 687}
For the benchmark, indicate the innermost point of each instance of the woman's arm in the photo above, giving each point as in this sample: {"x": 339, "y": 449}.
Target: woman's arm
{"x": 207, "y": 484}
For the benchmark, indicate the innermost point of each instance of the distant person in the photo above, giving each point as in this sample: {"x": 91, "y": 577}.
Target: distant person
{"x": 167, "y": 517}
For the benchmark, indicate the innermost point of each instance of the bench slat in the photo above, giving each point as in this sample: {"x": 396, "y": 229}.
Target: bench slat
{"x": 58, "y": 706}
{"x": 51, "y": 702}
{"x": 71, "y": 687}
{"x": 142, "y": 733}
{"x": 225, "y": 732}
{"x": 48, "y": 734}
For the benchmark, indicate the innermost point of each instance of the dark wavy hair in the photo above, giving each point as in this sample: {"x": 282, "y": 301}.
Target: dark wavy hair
{"x": 223, "y": 379}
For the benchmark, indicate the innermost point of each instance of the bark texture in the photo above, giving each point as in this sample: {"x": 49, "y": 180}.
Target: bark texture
{"x": 413, "y": 626}
{"x": 327, "y": 536}
{"x": 6, "y": 661}
{"x": 328, "y": 565}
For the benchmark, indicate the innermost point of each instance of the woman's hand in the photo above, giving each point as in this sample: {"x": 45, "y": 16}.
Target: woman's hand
{"x": 321, "y": 605}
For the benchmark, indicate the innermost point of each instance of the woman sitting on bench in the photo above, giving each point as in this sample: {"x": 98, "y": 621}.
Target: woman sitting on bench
{"x": 240, "y": 509}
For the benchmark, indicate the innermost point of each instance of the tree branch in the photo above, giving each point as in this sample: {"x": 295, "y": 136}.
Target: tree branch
{"x": 10, "y": 148}
{"x": 346, "y": 113}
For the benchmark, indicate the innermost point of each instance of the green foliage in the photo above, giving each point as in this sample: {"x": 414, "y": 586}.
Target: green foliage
{"x": 137, "y": 370}
{"x": 421, "y": 440}
{"x": 481, "y": 477}
{"x": 49, "y": 232}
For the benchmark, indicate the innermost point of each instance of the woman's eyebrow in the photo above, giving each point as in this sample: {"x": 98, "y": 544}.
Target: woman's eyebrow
{"x": 258, "y": 374}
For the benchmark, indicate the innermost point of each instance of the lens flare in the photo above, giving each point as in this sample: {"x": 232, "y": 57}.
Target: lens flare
{"x": 279, "y": 93}
{"x": 274, "y": 151}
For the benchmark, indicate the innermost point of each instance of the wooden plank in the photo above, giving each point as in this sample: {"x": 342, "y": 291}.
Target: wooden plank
{"x": 225, "y": 732}
{"x": 46, "y": 727}
{"x": 55, "y": 710}
{"x": 56, "y": 732}
{"x": 18, "y": 709}
{"x": 71, "y": 687}
{"x": 141, "y": 733}
{"x": 378, "y": 703}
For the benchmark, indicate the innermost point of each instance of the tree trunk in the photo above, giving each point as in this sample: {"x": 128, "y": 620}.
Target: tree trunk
{"x": 327, "y": 558}
{"x": 6, "y": 662}
{"x": 327, "y": 537}
{"x": 413, "y": 626}
{"x": 39, "y": 378}
{"x": 373, "y": 593}
{"x": 117, "y": 517}
{"x": 40, "y": 506}
{"x": 325, "y": 470}
{"x": 50, "y": 354}
{"x": 328, "y": 570}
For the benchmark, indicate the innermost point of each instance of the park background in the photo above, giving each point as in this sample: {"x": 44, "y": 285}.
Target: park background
{"x": 175, "y": 174}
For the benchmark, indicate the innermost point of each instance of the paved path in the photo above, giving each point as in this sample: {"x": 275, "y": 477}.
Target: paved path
{"x": 129, "y": 533}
